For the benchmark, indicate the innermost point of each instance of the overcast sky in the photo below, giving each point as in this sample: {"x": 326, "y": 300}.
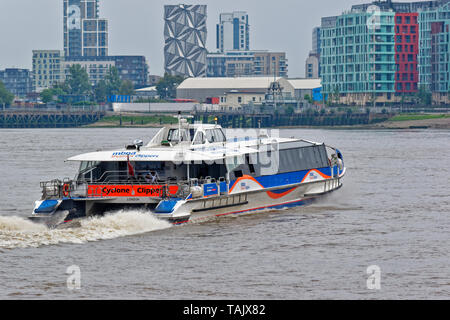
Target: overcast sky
{"x": 136, "y": 27}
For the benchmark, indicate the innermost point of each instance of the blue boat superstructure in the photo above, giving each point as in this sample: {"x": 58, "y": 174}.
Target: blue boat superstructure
{"x": 192, "y": 172}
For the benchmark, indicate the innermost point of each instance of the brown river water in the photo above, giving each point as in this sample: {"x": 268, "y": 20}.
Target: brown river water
{"x": 392, "y": 212}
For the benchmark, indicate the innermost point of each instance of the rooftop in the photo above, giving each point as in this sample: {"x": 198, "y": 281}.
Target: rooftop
{"x": 228, "y": 83}
{"x": 304, "y": 83}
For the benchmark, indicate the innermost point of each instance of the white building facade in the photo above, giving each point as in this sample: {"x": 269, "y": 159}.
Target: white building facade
{"x": 233, "y": 31}
{"x": 47, "y": 69}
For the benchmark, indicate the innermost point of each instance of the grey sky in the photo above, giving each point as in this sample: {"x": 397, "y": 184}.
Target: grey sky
{"x": 136, "y": 27}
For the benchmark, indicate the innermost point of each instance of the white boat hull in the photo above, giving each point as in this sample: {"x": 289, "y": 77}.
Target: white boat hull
{"x": 199, "y": 210}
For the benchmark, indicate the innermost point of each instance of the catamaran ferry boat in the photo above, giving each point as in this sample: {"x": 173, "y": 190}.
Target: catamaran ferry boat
{"x": 192, "y": 172}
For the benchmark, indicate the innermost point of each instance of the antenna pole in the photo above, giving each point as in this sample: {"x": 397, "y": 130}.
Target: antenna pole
{"x": 179, "y": 126}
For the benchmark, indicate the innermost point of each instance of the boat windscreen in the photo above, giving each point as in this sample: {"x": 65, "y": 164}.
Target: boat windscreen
{"x": 186, "y": 135}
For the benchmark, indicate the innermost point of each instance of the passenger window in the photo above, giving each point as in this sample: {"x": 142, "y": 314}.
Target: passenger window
{"x": 191, "y": 134}
{"x": 210, "y": 136}
{"x": 174, "y": 135}
{"x": 238, "y": 173}
{"x": 215, "y": 135}
{"x": 199, "y": 138}
{"x": 219, "y": 136}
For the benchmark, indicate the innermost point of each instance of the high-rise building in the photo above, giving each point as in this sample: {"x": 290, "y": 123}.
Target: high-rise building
{"x": 96, "y": 67}
{"x": 185, "y": 40}
{"x": 370, "y": 54}
{"x": 47, "y": 69}
{"x": 316, "y": 41}
{"x": 247, "y": 63}
{"x": 132, "y": 68}
{"x": 385, "y": 51}
{"x": 230, "y": 64}
{"x": 406, "y": 51}
{"x": 17, "y": 81}
{"x": 434, "y": 60}
{"x": 233, "y": 31}
{"x": 357, "y": 57}
{"x": 269, "y": 63}
{"x": 85, "y": 34}
{"x": 399, "y": 7}
{"x": 312, "y": 66}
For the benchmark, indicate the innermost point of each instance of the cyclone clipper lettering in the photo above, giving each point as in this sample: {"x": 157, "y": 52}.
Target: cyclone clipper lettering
{"x": 151, "y": 191}
{"x": 108, "y": 191}
{"x": 125, "y": 191}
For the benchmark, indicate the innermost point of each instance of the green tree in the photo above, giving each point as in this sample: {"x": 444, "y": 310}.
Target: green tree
{"x": 100, "y": 91}
{"x": 78, "y": 81}
{"x": 113, "y": 82}
{"x": 6, "y": 97}
{"x": 167, "y": 85}
{"x": 424, "y": 95}
{"x": 48, "y": 95}
{"x": 126, "y": 88}
{"x": 308, "y": 98}
{"x": 336, "y": 95}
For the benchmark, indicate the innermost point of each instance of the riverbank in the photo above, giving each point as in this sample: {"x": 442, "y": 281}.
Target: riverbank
{"x": 133, "y": 121}
{"x": 415, "y": 121}
{"x": 404, "y": 121}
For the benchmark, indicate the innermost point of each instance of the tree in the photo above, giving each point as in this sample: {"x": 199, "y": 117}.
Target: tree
{"x": 424, "y": 95}
{"x": 48, "y": 95}
{"x": 126, "y": 88}
{"x": 6, "y": 97}
{"x": 78, "y": 81}
{"x": 167, "y": 85}
{"x": 308, "y": 98}
{"x": 113, "y": 81}
{"x": 336, "y": 95}
{"x": 100, "y": 91}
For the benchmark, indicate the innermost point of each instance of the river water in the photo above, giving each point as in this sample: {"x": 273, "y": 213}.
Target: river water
{"x": 392, "y": 212}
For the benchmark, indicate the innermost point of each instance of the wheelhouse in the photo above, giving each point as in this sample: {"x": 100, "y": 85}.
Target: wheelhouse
{"x": 145, "y": 172}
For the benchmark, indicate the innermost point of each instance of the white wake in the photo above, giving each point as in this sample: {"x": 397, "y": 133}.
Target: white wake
{"x": 16, "y": 232}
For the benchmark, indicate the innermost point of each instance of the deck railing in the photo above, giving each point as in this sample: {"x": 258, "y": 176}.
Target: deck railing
{"x": 58, "y": 189}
